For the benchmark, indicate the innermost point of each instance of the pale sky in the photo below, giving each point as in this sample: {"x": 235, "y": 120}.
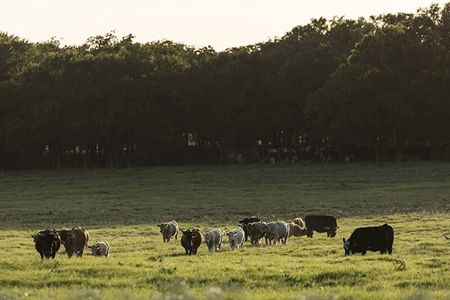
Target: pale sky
{"x": 221, "y": 24}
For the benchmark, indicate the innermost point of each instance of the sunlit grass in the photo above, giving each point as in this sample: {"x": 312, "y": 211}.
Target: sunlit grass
{"x": 123, "y": 208}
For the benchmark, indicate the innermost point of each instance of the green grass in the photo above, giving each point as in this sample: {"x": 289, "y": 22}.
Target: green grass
{"x": 124, "y": 206}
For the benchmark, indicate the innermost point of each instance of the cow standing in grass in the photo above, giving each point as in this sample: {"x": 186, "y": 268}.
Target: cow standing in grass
{"x": 296, "y": 230}
{"x": 75, "y": 241}
{"x": 255, "y": 232}
{"x": 191, "y": 240}
{"x": 321, "y": 224}
{"x": 168, "y": 230}
{"x": 365, "y": 239}
{"x": 100, "y": 249}
{"x": 47, "y": 243}
{"x": 277, "y": 231}
{"x": 213, "y": 239}
{"x": 236, "y": 238}
{"x": 244, "y": 225}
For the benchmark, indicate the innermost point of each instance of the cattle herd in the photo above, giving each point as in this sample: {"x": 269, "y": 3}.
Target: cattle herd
{"x": 380, "y": 238}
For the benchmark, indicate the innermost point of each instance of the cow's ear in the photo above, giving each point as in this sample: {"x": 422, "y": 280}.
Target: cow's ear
{"x": 343, "y": 239}
{"x": 183, "y": 231}
{"x": 159, "y": 225}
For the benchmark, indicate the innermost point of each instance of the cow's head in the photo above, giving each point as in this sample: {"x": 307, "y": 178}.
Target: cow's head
{"x": 232, "y": 237}
{"x": 95, "y": 249}
{"x": 348, "y": 247}
{"x": 264, "y": 228}
{"x": 207, "y": 237}
{"x": 188, "y": 235}
{"x": 161, "y": 227}
{"x": 66, "y": 237}
{"x": 51, "y": 241}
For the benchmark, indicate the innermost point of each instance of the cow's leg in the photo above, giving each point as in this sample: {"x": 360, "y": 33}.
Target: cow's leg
{"x": 185, "y": 249}
{"x": 176, "y": 236}
{"x": 364, "y": 252}
{"x": 81, "y": 253}
{"x": 42, "y": 255}
{"x": 309, "y": 233}
{"x": 275, "y": 239}
{"x": 164, "y": 239}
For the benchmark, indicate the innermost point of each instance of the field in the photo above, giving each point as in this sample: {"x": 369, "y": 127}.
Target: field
{"x": 124, "y": 206}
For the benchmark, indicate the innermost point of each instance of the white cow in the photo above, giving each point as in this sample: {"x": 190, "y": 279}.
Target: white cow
{"x": 169, "y": 230}
{"x": 213, "y": 239}
{"x": 100, "y": 249}
{"x": 236, "y": 238}
{"x": 277, "y": 231}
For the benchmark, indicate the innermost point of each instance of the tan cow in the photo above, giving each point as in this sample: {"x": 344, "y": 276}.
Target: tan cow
{"x": 296, "y": 230}
{"x": 300, "y": 222}
{"x": 168, "y": 230}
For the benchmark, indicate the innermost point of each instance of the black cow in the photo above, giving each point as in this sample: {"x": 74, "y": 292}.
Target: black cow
{"x": 374, "y": 239}
{"x": 247, "y": 221}
{"x": 47, "y": 243}
{"x": 321, "y": 224}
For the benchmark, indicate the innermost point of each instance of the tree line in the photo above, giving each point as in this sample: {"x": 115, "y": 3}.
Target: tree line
{"x": 339, "y": 89}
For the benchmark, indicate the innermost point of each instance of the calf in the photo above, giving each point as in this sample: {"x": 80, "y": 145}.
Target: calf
{"x": 191, "y": 240}
{"x": 100, "y": 249}
{"x": 374, "y": 239}
{"x": 74, "y": 241}
{"x": 236, "y": 238}
{"x": 321, "y": 224}
{"x": 213, "y": 239}
{"x": 277, "y": 231}
{"x": 169, "y": 230}
{"x": 47, "y": 243}
{"x": 247, "y": 221}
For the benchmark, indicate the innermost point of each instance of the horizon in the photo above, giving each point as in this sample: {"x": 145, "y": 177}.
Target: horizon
{"x": 198, "y": 23}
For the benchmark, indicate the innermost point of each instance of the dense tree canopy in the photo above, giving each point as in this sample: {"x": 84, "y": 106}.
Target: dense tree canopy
{"x": 372, "y": 89}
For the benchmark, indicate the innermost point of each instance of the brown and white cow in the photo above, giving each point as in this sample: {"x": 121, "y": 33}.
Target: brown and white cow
{"x": 75, "y": 241}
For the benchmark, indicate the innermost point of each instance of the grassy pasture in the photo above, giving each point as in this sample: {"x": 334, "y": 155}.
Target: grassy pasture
{"x": 124, "y": 206}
